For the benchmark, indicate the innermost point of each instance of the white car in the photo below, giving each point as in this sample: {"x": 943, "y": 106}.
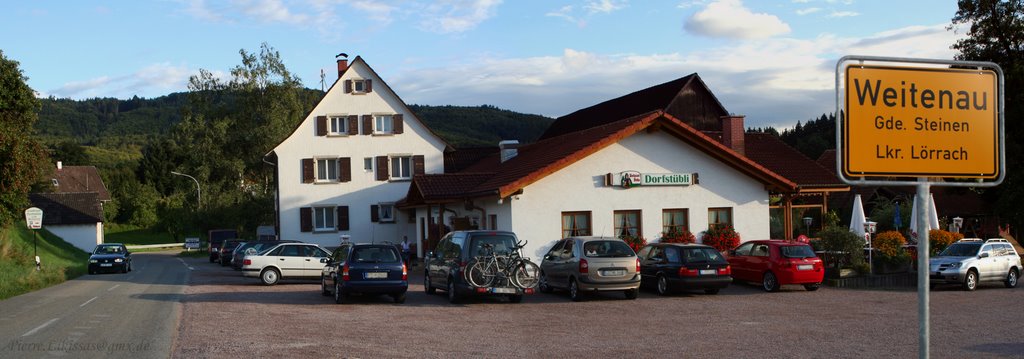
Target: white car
{"x": 286, "y": 260}
{"x": 971, "y": 261}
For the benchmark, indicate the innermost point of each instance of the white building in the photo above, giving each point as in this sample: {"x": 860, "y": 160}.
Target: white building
{"x": 73, "y": 209}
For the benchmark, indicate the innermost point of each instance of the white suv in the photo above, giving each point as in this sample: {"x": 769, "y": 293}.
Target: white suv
{"x": 286, "y": 260}
{"x": 971, "y": 261}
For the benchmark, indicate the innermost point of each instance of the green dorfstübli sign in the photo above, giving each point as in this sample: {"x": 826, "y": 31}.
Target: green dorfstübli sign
{"x": 629, "y": 179}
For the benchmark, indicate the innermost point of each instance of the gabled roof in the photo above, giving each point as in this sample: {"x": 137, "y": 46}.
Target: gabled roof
{"x": 78, "y": 179}
{"x": 659, "y": 97}
{"x": 540, "y": 159}
{"x": 771, "y": 152}
{"x": 68, "y": 208}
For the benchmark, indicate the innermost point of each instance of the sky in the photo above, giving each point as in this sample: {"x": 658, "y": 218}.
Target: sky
{"x": 772, "y": 61}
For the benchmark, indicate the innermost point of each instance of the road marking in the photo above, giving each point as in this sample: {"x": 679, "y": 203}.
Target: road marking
{"x": 186, "y": 264}
{"x": 33, "y": 331}
{"x": 88, "y": 301}
{"x": 112, "y": 288}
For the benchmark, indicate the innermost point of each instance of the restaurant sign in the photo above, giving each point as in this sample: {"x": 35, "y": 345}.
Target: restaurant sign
{"x": 629, "y": 179}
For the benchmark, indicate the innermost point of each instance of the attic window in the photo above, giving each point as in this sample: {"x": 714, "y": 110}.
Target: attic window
{"x": 54, "y": 180}
{"x": 358, "y": 86}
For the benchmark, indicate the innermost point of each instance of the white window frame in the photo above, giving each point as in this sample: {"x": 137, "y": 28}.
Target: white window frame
{"x": 368, "y": 164}
{"x": 386, "y": 208}
{"x": 359, "y": 86}
{"x": 378, "y": 123}
{"x": 395, "y": 162}
{"x": 327, "y": 214}
{"x": 342, "y": 125}
{"x": 327, "y": 161}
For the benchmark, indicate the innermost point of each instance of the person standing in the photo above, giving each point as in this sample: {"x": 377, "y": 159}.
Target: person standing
{"x": 405, "y": 250}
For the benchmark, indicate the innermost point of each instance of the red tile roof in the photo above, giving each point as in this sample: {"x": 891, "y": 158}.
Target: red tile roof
{"x": 80, "y": 179}
{"x": 771, "y": 152}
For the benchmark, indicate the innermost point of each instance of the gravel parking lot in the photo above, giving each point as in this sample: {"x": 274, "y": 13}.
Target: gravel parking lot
{"x": 225, "y": 315}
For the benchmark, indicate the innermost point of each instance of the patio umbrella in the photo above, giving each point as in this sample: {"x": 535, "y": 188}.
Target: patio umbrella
{"x": 857, "y": 221}
{"x": 933, "y": 216}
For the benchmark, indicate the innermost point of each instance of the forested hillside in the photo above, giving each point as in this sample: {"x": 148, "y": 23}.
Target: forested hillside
{"x": 483, "y": 125}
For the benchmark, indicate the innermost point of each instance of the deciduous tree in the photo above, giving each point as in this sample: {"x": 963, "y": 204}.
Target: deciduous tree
{"x": 22, "y": 158}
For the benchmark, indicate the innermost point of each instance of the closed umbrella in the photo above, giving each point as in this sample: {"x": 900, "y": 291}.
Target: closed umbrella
{"x": 933, "y": 217}
{"x": 858, "y": 219}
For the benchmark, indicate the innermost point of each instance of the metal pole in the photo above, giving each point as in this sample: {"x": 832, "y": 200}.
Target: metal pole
{"x": 35, "y": 247}
{"x": 199, "y": 192}
{"x": 923, "y": 188}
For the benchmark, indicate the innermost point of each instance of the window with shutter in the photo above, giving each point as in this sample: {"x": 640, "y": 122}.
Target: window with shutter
{"x": 307, "y": 171}
{"x": 374, "y": 213}
{"x": 398, "y": 124}
{"x": 337, "y": 125}
{"x": 382, "y": 168}
{"x": 324, "y": 219}
{"x": 321, "y": 125}
{"x": 306, "y": 219}
{"x": 343, "y": 218}
{"x": 383, "y": 124}
{"x": 401, "y": 167}
{"x": 327, "y": 169}
{"x": 344, "y": 169}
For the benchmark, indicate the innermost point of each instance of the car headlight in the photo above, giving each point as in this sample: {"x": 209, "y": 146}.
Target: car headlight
{"x": 118, "y": 260}
{"x": 955, "y": 265}
{"x": 93, "y": 261}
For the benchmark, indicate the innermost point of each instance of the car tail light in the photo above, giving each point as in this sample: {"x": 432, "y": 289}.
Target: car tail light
{"x": 725, "y": 271}
{"x": 638, "y": 265}
{"x": 481, "y": 290}
{"x": 405, "y": 273}
{"x": 584, "y": 267}
{"x": 247, "y": 262}
{"x": 687, "y": 272}
{"x": 344, "y": 272}
{"x": 528, "y": 290}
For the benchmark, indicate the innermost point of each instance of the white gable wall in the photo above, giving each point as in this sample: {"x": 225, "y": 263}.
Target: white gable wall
{"x": 83, "y": 236}
{"x": 536, "y": 214}
{"x": 364, "y": 190}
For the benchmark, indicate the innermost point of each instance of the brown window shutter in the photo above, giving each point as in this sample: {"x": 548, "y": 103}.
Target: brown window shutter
{"x": 367, "y": 124}
{"x": 344, "y": 169}
{"x": 382, "y": 168}
{"x": 417, "y": 165}
{"x": 374, "y": 213}
{"x": 398, "y": 123}
{"x": 321, "y": 125}
{"x": 307, "y": 171}
{"x": 367, "y": 85}
{"x": 342, "y": 218}
{"x": 305, "y": 219}
{"x": 353, "y": 125}
{"x": 348, "y": 86}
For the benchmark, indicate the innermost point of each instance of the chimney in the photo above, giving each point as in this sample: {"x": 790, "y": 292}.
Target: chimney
{"x": 60, "y": 165}
{"x": 508, "y": 149}
{"x": 342, "y": 63}
{"x": 733, "y": 132}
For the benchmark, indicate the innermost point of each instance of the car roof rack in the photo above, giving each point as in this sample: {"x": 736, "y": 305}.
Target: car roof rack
{"x": 996, "y": 240}
{"x": 970, "y": 240}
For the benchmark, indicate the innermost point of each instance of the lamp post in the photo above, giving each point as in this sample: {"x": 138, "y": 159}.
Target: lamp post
{"x": 958, "y": 223}
{"x": 199, "y": 193}
{"x": 807, "y": 225}
{"x": 869, "y": 229}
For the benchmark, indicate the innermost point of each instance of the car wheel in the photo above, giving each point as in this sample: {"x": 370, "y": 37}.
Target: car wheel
{"x": 632, "y": 293}
{"x": 453, "y": 296}
{"x": 91, "y": 272}
{"x": 270, "y": 276}
{"x": 427, "y": 287}
{"x": 711, "y": 291}
{"x": 812, "y": 287}
{"x": 338, "y": 297}
{"x": 1011, "y": 278}
{"x": 399, "y": 298}
{"x": 125, "y": 268}
{"x": 574, "y": 291}
{"x": 515, "y": 298}
{"x": 323, "y": 286}
{"x": 662, "y": 286}
{"x": 770, "y": 282}
{"x": 543, "y": 285}
{"x": 971, "y": 280}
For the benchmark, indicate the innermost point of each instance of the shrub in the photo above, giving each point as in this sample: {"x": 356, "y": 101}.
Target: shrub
{"x": 635, "y": 242}
{"x": 676, "y": 236}
{"x": 841, "y": 240}
{"x": 938, "y": 240}
{"x": 889, "y": 246}
{"x": 722, "y": 239}
{"x": 956, "y": 236}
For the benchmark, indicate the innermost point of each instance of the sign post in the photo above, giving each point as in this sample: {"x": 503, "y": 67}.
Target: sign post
{"x": 938, "y": 121}
{"x": 34, "y": 220}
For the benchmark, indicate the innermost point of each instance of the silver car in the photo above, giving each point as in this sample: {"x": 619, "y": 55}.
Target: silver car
{"x": 591, "y": 264}
{"x": 971, "y": 261}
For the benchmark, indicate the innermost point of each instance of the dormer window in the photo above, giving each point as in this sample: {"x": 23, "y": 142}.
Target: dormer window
{"x": 358, "y": 86}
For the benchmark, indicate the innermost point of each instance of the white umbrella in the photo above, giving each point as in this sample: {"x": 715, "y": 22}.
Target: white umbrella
{"x": 857, "y": 222}
{"x": 933, "y": 216}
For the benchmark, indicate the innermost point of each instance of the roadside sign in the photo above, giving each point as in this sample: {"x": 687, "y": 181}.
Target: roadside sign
{"x": 192, "y": 243}
{"x": 919, "y": 118}
{"x": 34, "y": 218}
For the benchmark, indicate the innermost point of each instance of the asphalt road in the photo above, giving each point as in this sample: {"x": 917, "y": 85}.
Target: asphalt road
{"x": 99, "y": 316}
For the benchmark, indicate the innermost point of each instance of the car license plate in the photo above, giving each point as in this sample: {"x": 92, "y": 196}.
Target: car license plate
{"x": 375, "y": 275}
{"x": 614, "y": 273}
{"x": 106, "y": 265}
{"x": 708, "y": 272}
{"x": 805, "y": 267}
{"x": 503, "y": 290}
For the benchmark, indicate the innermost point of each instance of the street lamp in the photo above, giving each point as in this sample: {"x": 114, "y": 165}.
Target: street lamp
{"x": 199, "y": 193}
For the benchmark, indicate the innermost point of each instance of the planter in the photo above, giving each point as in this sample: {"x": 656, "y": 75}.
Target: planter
{"x": 882, "y": 267}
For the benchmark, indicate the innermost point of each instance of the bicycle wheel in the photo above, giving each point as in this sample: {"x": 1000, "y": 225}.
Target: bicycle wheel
{"x": 480, "y": 274}
{"x": 526, "y": 274}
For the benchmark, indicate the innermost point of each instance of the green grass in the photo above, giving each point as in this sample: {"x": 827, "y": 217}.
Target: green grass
{"x": 134, "y": 236}
{"x": 60, "y": 261}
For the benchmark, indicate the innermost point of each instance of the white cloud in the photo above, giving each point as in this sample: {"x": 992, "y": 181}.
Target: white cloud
{"x": 809, "y": 10}
{"x": 566, "y": 13}
{"x": 730, "y": 19}
{"x": 454, "y": 16}
{"x": 199, "y": 10}
{"x": 269, "y": 11}
{"x": 152, "y": 80}
{"x": 843, "y": 14}
{"x": 605, "y": 6}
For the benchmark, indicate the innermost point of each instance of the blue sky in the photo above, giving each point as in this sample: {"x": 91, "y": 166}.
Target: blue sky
{"x": 772, "y": 61}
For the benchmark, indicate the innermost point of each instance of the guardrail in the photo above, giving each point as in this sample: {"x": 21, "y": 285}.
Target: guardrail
{"x": 164, "y": 245}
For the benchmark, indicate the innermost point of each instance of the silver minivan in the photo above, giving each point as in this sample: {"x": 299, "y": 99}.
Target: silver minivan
{"x": 971, "y": 261}
{"x": 590, "y": 264}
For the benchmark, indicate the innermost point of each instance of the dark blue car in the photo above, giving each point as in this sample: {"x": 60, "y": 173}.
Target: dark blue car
{"x": 110, "y": 257}
{"x": 357, "y": 269}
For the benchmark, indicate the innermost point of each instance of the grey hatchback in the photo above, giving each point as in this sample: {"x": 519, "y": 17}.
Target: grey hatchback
{"x": 591, "y": 264}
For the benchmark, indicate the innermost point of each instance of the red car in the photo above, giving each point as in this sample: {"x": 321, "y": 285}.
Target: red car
{"x": 775, "y": 263}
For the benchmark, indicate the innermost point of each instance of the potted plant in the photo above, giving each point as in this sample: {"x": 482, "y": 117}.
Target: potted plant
{"x": 635, "y": 242}
{"x": 678, "y": 236}
{"x": 721, "y": 238}
{"x": 842, "y": 252}
{"x": 890, "y": 252}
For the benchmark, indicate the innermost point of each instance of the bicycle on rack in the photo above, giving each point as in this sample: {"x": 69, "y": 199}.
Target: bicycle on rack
{"x": 491, "y": 269}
